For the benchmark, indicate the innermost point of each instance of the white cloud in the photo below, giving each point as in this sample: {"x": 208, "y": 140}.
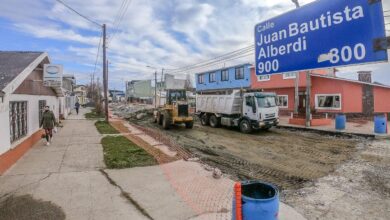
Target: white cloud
{"x": 162, "y": 33}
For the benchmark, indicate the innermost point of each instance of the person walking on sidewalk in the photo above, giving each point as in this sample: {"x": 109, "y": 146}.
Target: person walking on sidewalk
{"x": 48, "y": 122}
{"x": 77, "y": 106}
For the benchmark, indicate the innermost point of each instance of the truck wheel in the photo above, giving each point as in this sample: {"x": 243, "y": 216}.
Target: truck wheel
{"x": 245, "y": 126}
{"x": 189, "y": 124}
{"x": 166, "y": 122}
{"x": 214, "y": 121}
{"x": 204, "y": 120}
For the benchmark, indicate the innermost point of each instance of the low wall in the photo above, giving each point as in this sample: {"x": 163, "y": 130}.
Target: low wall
{"x": 10, "y": 157}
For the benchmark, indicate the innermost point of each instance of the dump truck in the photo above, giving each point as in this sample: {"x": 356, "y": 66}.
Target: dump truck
{"x": 175, "y": 110}
{"x": 247, "y": 110}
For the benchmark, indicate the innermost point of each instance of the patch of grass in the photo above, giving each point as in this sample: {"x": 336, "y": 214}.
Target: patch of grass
{"x": 94, "y": 115}
{"x": 105, "y": 128}
{"x": 119, "y": 153}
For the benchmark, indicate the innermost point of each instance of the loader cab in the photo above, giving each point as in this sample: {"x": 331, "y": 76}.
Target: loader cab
{"x": 175, "y": 96}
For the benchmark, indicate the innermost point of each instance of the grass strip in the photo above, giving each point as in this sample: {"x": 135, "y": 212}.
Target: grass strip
{"x": 105, "y": 128}
{"x": 119, "y": 153}
{"x": 94, "y": 115}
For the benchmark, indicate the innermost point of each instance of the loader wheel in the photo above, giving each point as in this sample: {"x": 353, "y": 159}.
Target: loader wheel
{"x": 189, "y": 124}
{"x": 214, "y": 121}
{"x": 204, "y": 120}
{"x": 160, "y": 119}
{"x": 166, "y": 122}
{"x": 245, "y": 126}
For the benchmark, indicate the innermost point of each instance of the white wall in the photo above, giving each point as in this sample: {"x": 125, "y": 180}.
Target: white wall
{"x": 4, "y": 126}
{"x": 32, "y": 117}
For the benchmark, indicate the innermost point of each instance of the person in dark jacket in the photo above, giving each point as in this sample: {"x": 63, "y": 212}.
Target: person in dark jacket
{"x": 48, "y": 122}
{"x": 77, "y": 106}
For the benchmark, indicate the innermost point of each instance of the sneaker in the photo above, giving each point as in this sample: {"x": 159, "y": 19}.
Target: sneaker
{"x": 48, "y": 144}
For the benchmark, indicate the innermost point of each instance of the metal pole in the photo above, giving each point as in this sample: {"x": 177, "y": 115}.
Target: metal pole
{"x": 161, "y": 85}
{"x": 155, "y": 89}
{"x": 105, "y": 67}
{"x": 296, "y": 100}
{"x": 308, "y": 91}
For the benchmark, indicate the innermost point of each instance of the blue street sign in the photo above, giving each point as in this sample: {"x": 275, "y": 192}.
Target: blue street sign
{"x": 321, "y": 34}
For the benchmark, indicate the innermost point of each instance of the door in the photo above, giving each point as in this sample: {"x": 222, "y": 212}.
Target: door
{"x": 302, "y": 104}
{"x": 250, "y": 109}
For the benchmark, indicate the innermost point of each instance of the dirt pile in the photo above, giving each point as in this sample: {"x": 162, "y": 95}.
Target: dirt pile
{"x": 129, "y": 111}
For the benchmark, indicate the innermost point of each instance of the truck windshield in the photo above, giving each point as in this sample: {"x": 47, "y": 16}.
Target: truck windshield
{"x": 266, "y": 101}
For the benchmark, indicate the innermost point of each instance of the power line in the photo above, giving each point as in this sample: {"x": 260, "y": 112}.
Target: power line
{"x": 217, "y": 62}
{"x": 81, "y": 15}
{"x": 217, "y": 59}
{"x": 120, "y": 16}
{"x": 98, "y": 53}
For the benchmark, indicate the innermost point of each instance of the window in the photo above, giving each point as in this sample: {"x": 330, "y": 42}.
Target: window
{"x": 328, "y": 101}
{"x": 249, "y": 100}
{"x": 225, "y": 75}
{"x": 264, "y": 77}
{"x": 212, "y": 77}
{"x": 240, "y": 73}
{"x": 266, "y": 101}
{"x": 282, "y": 101}
{"x": 201, "y": 79}
{"x": 17, "y": 120}
{"x": 42, "y": 104}
{"x": 291, "y": 75}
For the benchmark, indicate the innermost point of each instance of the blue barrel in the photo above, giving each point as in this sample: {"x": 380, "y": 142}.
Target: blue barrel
{"x": 260, "y": 201}
{"x": 380, "y": 122}
{"x": 341, "y": 120}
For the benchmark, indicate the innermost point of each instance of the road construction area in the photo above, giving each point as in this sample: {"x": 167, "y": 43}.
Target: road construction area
{"x": 286, "y": 158}
{"x": 321, "y": 175}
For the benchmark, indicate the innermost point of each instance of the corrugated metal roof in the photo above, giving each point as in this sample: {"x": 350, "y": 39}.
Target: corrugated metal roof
{"x": 12, "y": 63}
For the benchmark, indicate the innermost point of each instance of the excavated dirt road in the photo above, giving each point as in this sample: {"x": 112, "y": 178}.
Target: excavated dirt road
{"x": 286, "y": 158}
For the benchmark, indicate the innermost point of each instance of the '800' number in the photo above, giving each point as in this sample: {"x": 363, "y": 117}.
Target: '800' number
{"x": 347, "y": 53}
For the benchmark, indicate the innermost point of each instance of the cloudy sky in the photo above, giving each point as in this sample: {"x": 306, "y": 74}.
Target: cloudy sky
{"x": 159, "y": 33}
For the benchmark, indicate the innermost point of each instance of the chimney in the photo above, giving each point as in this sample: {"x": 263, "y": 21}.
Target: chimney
{"x": 365, "y": 76}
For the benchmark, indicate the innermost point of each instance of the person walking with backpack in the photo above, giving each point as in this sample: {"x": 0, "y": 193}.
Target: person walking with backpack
{"x": 48, "y": 122}
{"x": 77, "y": 106}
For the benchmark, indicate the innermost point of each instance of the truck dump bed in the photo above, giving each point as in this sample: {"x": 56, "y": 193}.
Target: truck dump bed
{"x": 219, "y": 104}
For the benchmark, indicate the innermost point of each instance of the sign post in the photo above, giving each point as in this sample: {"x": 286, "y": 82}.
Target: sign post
{"x": 322, "y": 34}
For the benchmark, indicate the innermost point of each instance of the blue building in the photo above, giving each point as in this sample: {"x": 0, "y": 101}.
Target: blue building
{"x": 234, "y": 77}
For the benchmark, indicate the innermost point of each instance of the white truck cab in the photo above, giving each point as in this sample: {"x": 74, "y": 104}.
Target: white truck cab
{"x": 260, "y": 109}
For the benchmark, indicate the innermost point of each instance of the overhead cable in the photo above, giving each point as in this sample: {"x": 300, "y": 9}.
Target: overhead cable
{"x": 81, "y": 15}
{"x": 98, "y": 53}
{"x": 121, "y": 14}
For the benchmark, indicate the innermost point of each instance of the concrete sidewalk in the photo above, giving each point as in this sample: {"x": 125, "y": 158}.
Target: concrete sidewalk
{"x": 67, "y": 174}
{"x": 70, "y": 173}
{"x": 363, "y": 128}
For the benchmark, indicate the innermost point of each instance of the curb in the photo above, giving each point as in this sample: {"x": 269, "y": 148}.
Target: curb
{"x": 337, "y": 133}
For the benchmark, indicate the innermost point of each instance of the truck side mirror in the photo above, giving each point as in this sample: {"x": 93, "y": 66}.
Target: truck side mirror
{"x": 254, "y": 108}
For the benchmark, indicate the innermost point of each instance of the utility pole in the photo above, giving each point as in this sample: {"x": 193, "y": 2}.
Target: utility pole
{"x": 308, "y": 95}
{"x": 155, "y": 89}
{"x": 105, "y": 75}
{"x": 296, "y": 99}
{"x": 161, "y": 85}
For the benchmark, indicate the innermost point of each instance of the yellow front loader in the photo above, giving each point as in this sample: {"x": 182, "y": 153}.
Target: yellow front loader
{"x": 175, "y": 110}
